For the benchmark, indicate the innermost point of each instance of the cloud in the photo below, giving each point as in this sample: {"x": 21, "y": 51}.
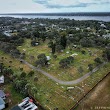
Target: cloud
{"x": 62, "y": 6}
{"x": 41, "y": 1}
{"x": 70, "y": 3}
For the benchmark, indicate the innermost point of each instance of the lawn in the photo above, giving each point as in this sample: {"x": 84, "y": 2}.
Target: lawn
{"x": 71, "y": 73}
{"x": 15, "y": 65}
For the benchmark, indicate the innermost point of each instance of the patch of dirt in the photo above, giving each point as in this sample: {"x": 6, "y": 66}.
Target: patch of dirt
{"x": 98, "y": 90}
{"x": 99, "y": 97}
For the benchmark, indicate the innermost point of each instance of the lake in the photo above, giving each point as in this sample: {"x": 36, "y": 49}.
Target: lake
{"x": 99, "y": 18}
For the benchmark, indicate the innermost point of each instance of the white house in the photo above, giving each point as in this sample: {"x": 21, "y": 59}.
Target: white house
{"x": 26, "y": 104}
{"x": 2, "y": 104}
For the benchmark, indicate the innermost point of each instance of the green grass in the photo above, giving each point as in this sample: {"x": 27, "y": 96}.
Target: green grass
{"x": 15, "y": 65}
{"x": 14, "y": 97}
{"x": 70, "y": 73}
{"x": 49, "y": 93}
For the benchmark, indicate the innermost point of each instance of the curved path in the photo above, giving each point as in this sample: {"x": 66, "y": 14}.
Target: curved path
{"x": 60, "y": 81}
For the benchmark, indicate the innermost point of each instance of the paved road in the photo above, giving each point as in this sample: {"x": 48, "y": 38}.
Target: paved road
{"x": 60, "y": 81}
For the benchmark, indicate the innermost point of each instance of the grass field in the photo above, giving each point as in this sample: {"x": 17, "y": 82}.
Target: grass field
{"x": 15, "y": 65}
{"x": 64, "y": 74}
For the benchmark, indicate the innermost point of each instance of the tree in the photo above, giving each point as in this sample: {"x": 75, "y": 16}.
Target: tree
{"x": 70, "y": 59}
{"x": 66, "y": 62}
{"x": 98, "y": 60}
{"x": 63, "y": 63}
{"x": 23, "y": 75}
{"x": 7, "y": 71}
{"x": 31, "y": 73}
{"x": 63, "y": 41}
{"x": 106, "y": 54}
{"x": 90, "y": 67}
{"x": 1, "y": 67}
{"x": 52, "y": 45}
{"x": 53, "y": 48}
{"x": 19, "y": 85}
{"x": 42, "y": 60}
{"x": 59, "y": 48}
{"x": 83, "y": 52}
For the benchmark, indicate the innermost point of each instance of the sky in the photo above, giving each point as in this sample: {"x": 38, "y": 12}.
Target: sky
{"x": 53, "y": 6}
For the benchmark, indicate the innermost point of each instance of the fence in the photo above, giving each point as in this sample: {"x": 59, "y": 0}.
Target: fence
{"x": 79, "y": 101}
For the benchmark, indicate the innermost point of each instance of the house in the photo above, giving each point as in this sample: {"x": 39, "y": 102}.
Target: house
{"x": 7, "y": 33}
{"x": 26, "y": 104}
{"x": 2, "y": 94}
{"x": 103, "y": 25}
{"x": 1, "y": 79}
{"x": 106, "y": 36}
{"x": 2, "y": 104}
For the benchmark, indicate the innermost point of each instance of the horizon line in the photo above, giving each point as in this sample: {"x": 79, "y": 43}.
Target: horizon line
{"x": 48, "y": 12}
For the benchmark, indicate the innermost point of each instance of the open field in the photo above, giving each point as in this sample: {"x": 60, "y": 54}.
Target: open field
{"x": 99, "y": 98}
{"x": 67, "y": 74}
{"x": 15, "y": 64}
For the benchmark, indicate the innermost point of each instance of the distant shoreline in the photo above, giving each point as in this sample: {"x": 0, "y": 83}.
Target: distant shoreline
{"x": 76, "y": 16}
{"x": 63, "y": 14}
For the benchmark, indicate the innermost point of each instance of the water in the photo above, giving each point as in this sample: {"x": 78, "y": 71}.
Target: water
{"x": 99, "y": 18}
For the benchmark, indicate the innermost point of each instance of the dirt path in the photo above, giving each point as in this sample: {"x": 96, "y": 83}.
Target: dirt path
{"x": 60, "y": 81}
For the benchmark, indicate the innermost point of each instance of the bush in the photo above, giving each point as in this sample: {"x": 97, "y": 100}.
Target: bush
{"x": 66, "y": 61}
{"x": 23, "y": 75}
{"x": 98, "y": 60}
{"x": 31, "y": 73}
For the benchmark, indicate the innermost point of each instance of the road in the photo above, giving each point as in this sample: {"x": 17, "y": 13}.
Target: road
{"x": 60, "y": 81}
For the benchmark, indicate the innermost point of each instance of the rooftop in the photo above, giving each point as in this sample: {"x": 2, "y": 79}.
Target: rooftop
{"x": 2, "y": 94}
{"x": 16, "y": 108}
{"x": 1, "y": 101}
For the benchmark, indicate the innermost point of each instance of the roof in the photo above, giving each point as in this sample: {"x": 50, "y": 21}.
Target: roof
{"x": 2, "y": 101}
{"x": 16, "y": 108}
{"x": 26, "y": 104}
{"x": 1, "y": 79}
{"x": 2, "y": 94}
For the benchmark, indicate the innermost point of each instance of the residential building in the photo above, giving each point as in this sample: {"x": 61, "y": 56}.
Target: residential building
{"x": 2, "y": 104}
{"x": 26, "y": 104}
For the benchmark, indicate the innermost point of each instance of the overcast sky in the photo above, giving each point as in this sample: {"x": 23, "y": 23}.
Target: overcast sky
{"x": 37, "y": 6}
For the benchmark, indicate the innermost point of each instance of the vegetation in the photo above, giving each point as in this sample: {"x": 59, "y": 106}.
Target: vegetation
{"x": 66, "y": 49}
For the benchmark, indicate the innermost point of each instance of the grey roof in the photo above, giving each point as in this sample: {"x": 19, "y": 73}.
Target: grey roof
{"x": 16, "y": 108}
{"x": 2, "y": 94}
{"x": 1, "y": 101}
